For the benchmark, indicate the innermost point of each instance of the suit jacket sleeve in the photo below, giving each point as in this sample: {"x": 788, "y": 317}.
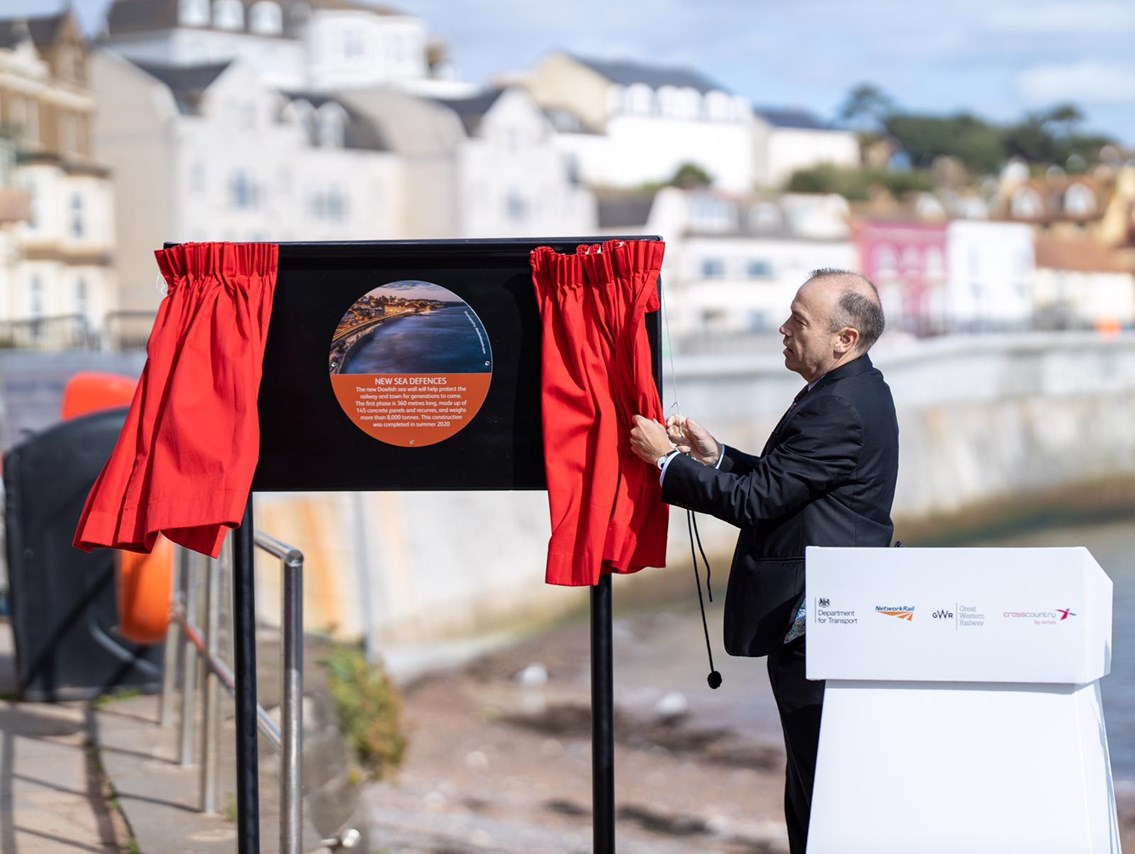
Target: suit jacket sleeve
{"x": 818, "y": 449}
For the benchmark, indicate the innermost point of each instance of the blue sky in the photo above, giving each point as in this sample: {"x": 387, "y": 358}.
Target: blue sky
{"x": 996, "y": 58}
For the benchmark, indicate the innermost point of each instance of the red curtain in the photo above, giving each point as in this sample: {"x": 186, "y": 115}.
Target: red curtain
{"x": 607, "y": 514}
{"x": 184, "y": 462}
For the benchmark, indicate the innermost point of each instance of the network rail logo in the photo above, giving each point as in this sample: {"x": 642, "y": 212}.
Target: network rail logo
{"x": 899, "y": 612}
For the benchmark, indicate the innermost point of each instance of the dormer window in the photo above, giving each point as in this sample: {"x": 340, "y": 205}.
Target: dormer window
{"x": 193, "y": 13}
{"x": 1079, "y": 201}
{"x": 332, "y": 121}
{"x": 638, "y": 99}
{"x": 1026, "y": 204}
{"x": 718, "y": 106}
{"x": 265, "y": 18}
{"x": 228, "y": 15}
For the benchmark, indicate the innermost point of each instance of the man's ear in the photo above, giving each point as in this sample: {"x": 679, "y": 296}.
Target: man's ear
{"x": 846, "y": 340}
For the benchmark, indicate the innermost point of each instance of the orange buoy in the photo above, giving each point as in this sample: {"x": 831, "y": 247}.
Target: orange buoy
{"x": 90, "y": 391}
{"x": 144, "y": 584}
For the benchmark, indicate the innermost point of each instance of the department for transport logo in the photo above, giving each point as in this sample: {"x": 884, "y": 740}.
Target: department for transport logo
{"x": 826, "y": 614}
{"x": 900, "y": 612}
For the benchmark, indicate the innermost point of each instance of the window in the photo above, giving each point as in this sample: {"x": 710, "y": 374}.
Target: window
{"x": 353, "y": 44}
{"x": 885, "y": 261}
{"x": 24, "y": 117}
{"x": 638, "y": 99}
{"x": 712, "y": 213}
{"x": 82, "y": 297}
{"x": 332, "y": 126}
{"x": 76, "y": 215}
{"x": 718, "y": 106}
{"x": 193, "y": 13}
{"x": 516, "y": 206}
{"x": 242, "y": 191}
{"x": 197, "y": 177}
{"x": 265, "y": 18}
{"x": 765, "y": 216}
{"x": 712, "y": 268}
{"x": 1079, "y": 201}
{"x": 228, "y": 15}
{"x": 759, "y": 268}
{"x": 35, "y": 300}
{"x": 1026, "y": 204}
{"x": 336, "y": 205}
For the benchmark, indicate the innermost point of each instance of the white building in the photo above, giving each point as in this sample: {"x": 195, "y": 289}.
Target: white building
{"x": 990, "y": 269}
{"x": 482, "y": 166}
{"x": 625, "y": 124}
{"x": 785, "y": 140}
{"x": 310, "y": 45}
{"x": 56, "y": 262}
{"x": 210, "y": 152}
{"x": 733, "y": 263}
{"x": 1081, "y": 283}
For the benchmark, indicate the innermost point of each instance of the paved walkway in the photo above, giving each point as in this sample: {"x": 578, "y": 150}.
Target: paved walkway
{"x": 49, "y": 794}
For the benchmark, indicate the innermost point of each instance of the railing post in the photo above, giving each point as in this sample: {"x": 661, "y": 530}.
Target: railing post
{"x": 175, "y": 642}
{"x": 188, "y": 668}
{"x": 211, "y": 717}
{"x": 291, "y": 777}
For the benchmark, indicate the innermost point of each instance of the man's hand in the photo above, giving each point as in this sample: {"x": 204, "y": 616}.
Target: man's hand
{"x": 648, "y": 439}
{"x": 691, "y": 438}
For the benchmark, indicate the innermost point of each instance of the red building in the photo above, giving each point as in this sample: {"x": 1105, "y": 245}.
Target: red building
{"x": 907, "y": 262}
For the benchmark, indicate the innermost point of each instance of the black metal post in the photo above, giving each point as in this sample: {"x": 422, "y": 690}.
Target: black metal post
{"x": 602, "y": 720}
{"x": 244, "y": 654}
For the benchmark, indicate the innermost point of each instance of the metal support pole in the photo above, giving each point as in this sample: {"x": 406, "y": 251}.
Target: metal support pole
{"x": 174, "y": 641}
{"x": 189, "y": 667}
{"x": 602, "y": 720}
{"x": 244, "y": 642}
{"x": 291, "y": 777}
{"x": 211, "y": 718}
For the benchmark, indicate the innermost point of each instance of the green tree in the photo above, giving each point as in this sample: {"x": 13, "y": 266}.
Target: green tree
{"x": 690, "y": 175}
{"x": 866, "y": 108}
{"x": 975, "y": 142}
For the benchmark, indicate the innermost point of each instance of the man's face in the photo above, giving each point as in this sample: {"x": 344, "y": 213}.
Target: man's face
{"x": 808, "y": 344}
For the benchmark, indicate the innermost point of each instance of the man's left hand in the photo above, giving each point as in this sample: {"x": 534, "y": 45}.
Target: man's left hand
{"x": 649, "y": 440}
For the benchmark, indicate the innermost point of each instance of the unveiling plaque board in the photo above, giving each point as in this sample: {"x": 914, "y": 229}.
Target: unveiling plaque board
{"x": 406, "y": 366}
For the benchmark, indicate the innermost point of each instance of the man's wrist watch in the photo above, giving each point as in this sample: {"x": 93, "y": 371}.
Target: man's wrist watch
{"x": 661, "y": 461}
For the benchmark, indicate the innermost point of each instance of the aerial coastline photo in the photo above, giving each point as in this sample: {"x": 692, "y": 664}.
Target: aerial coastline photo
{"x": 409, "y": 326}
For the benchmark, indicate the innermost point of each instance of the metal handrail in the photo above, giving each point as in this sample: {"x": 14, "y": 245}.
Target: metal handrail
{"x": 187, "y": 638}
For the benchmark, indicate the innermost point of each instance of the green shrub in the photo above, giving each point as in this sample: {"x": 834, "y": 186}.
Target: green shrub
{"x": 369, "y": 711}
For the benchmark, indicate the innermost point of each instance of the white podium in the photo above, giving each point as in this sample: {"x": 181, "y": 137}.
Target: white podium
{"x": 962, "y": 710}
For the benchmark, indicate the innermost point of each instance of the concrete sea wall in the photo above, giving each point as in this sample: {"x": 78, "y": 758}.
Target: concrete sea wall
{"x": 994, "y": 429}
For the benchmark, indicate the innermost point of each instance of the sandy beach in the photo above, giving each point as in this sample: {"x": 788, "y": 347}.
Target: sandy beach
{"x": 500, "y": 749}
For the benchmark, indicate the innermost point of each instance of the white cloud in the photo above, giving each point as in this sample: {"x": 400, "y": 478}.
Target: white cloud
{"x": 1085, "y": 82}
{"x": 1062, "y": 18}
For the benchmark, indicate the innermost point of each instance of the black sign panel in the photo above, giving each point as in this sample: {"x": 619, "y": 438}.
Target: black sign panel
{"x": 323, "y": 426}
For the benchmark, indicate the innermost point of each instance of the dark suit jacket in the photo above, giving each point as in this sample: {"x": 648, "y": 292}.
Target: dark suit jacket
{"x": 826, "y": 477}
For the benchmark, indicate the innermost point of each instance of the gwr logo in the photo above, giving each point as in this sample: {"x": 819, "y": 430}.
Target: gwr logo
{"x": 943, "y": 614}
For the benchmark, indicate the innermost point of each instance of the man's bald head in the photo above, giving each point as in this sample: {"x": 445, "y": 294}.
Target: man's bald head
{"x": 854, "y": 302}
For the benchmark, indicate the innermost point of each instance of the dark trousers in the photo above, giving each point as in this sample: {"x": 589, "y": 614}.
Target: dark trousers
{"x": 800, "y": 703}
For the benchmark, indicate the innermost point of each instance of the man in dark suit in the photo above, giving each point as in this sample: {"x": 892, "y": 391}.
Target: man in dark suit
{"x": 826, "y": 477}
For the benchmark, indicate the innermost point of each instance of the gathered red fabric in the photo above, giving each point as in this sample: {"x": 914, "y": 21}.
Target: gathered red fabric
{"x": 184, "y": 462}
{"x": 605, "y": 503}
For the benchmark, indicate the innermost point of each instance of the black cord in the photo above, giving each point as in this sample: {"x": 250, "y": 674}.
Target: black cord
{"x": 714, "y": 678}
